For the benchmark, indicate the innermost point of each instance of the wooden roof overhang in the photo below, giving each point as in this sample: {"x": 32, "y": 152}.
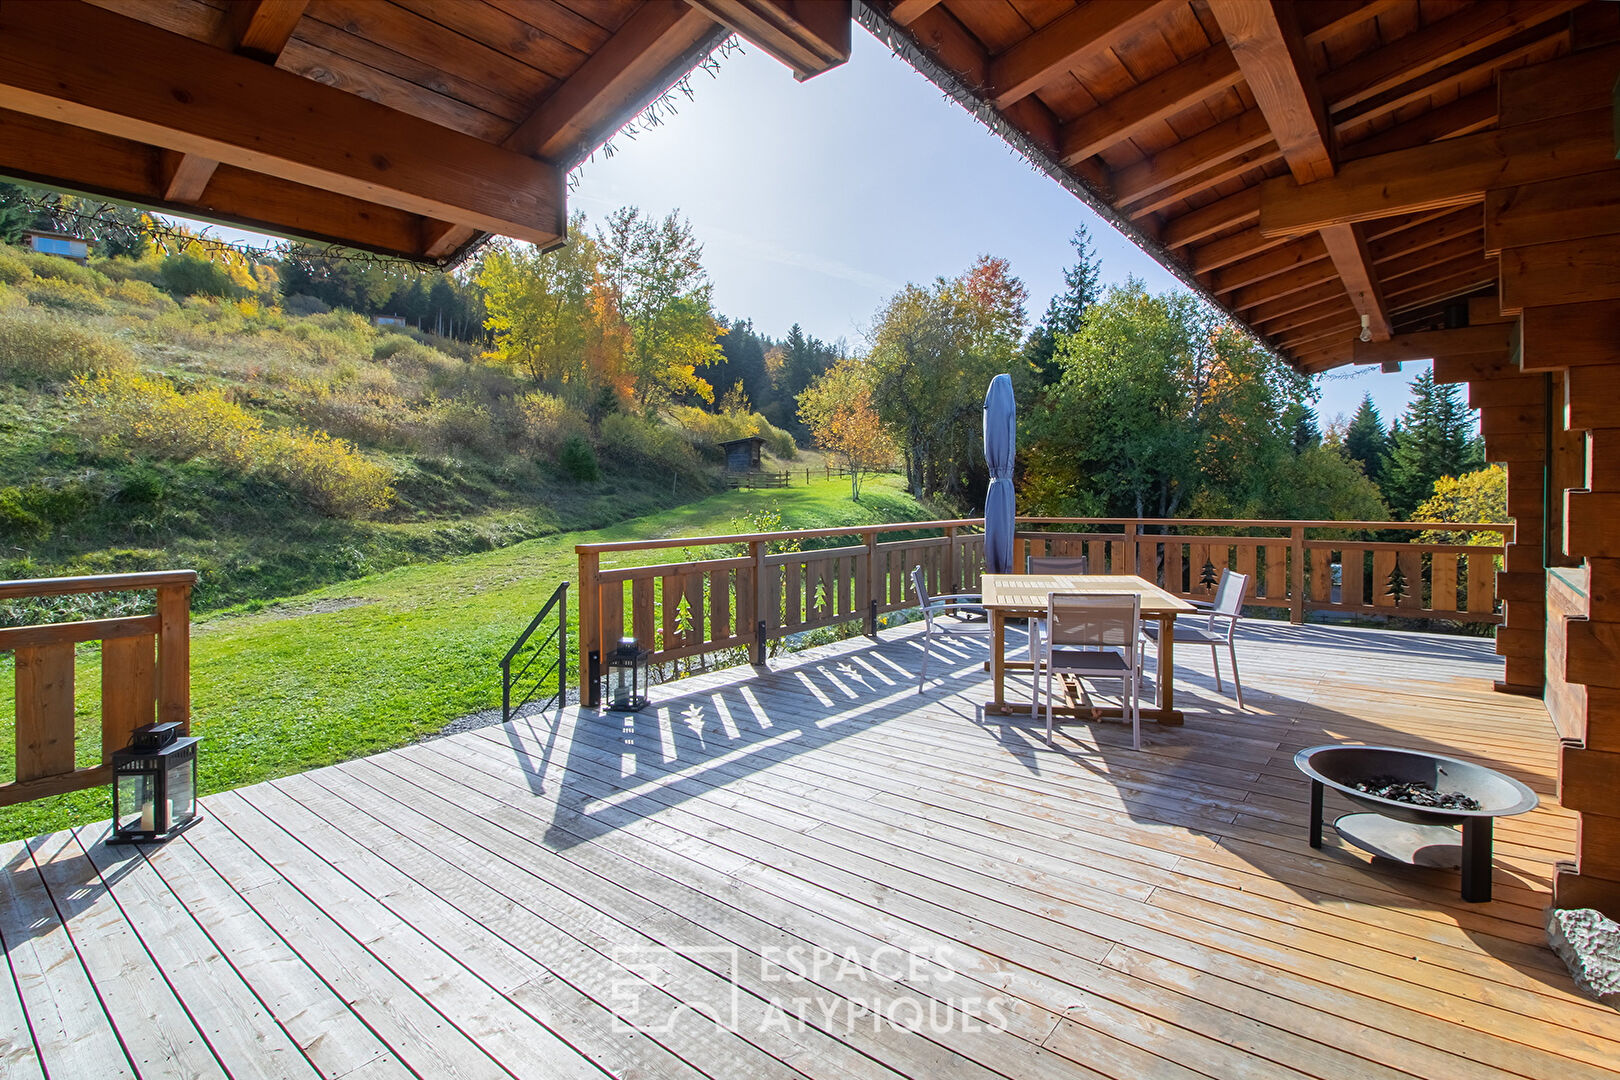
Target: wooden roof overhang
{"x": 1305, "y": 166}
{"x": 406, "y": 127}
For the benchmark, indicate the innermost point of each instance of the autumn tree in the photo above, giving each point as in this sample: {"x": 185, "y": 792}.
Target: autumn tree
{"x": 934, "y": 351}
{"x": 655, "y": 272}
{"x": 1163, "y": 408}
{"x": 1473, "y": 498}
{"x": 838, "y": 410}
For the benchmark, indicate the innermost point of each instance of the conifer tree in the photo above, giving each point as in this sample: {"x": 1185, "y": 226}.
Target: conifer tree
{"x": 1436, "y": 440}
{"x": 1067, "y": 311}
{"x": 1366, "y": 441}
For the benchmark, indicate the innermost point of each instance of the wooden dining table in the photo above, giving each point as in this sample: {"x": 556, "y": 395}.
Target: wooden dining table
{"x": 1011, "y": 596}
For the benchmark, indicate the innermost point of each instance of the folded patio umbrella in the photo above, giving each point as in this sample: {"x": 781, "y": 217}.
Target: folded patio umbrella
{"x": 1000, "y": 415}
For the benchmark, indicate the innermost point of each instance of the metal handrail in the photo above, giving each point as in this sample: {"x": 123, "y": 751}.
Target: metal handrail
{"x": 559, "y": 634}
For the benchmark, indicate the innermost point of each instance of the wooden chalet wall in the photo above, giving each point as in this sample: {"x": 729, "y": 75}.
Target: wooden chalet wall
{"x": 1559, "y": 244}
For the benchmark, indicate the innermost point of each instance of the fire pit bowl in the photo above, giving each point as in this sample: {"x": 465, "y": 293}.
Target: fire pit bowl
{"x": 1410, "y": 833}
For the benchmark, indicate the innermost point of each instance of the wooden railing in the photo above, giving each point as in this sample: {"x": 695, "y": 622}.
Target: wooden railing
{"x": 745, "y": 600}
{"x": 145, "y": 675}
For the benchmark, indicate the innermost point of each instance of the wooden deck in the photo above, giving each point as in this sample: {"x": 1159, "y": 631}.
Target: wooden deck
{"x": 486, "y": 905}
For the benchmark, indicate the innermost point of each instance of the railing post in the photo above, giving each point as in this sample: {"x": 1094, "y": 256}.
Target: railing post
{"x": 590, "y": 625}
{"x": 1296, "y": 574}
{"x": 756, "y": 552}
{"x": 871, "y": 583}
{"x": 1130, "y": 548}
{"x": 948, "y": 584}
{"x": 562, "y": 649}
{"x": 174, "y": 655}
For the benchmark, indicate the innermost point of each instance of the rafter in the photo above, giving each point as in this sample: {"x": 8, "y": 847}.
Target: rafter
{"x": 1211, "y": 148}
{"x": 1268, "y": 46}
{"x": 906, "y": 12}
{"x": 1030, "y": 64}
{"x": 1123, "y": 117}
{"x": 809, "y": 36}
{"x": 125, "y": 78}
{"x": 44, "y": 150}
{"x": 648, "y": 51}
{"x": 1455, "y": 172}
{"x": 1464, "y": 341}
{"x": 1237, "y": 247}
{"x": 1234, "y": 210}
{"x": 259, "y": 30}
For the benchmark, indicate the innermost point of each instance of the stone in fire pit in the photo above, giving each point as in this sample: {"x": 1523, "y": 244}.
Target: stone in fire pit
{"x": 1393, "y": 787}
{"x": 1418, "y": 829}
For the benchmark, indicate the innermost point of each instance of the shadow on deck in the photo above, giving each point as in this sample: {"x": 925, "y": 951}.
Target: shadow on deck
{"x": 817, "y": 871}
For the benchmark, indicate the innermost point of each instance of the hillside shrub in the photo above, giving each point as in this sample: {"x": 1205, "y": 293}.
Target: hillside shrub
{"x": 29, "y": 511}
{"x": 549, "y": 425}
{"x": 458, "y": 424}
{"x": 149, "y": 415}
{"x": 41, "y": 348}
{"x": 301, "y": 304}
{"x": 63, "y": 295}
{"x": 578, "y": 460}
{"x": 638, "y": 442}
{"x": 140, "y": 293}
{"x": 59, "y": 269}
{"x": 11, "y": 298}
{"x": 192, "y": 275}
{"x": 13, "y": 267}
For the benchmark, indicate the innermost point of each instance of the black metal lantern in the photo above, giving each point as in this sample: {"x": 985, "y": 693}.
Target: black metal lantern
{"x": 154, "y": 784}
{"x": 626, "y": 676}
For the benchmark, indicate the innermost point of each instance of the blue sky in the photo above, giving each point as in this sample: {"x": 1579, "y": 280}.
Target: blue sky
{"x": 813, "y": 205}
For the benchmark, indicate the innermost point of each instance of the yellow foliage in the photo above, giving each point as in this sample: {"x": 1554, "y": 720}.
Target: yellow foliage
{"x": 132, "y": 410}
{"x": 1474, "y": 498}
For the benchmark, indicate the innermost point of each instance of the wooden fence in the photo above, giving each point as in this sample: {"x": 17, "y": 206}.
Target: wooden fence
{"x": 145, "y": 674}
{"x": 759, "y": 593}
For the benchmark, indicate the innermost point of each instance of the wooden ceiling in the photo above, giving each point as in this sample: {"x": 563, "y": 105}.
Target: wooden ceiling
{"x": 1249, "y": 145}
{"x": 1180, "y": 121}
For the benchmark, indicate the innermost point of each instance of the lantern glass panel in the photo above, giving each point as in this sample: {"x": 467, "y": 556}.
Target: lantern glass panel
{"x": 624, "y": 685}
{"x": 137, "y": 802}
{"x": 182, "y": 790}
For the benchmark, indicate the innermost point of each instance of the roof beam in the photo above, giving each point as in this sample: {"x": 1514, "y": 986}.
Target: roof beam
{"x": 1464, "y": 341}
{"x": 1030, "y": 64}
{"x": 809, "y": 36}
{"x": 1271, "y": 54}
{"x": 258, "y": 30}
{"x": 1455, "y": 172}
{"x": 612, "y": 82}
{"x": 1123, "y": 117}
{"x": 906, "y": 12}
{"x": 1473, "y": 28}
{"x": 1240, "y": 208}
{"x": 45, "y": 150}
{"x": 1211, "y": 147}
{"x": 124, "y": 78}
{"x": 1267, "y": 43}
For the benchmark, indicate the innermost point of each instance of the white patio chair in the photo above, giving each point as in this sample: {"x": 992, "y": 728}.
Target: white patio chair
{"x": 943, "y": 617}
{"x": 1057, "y": 564}
{"x": 1218, "y": 629}
{"x": 1112, "y": 621}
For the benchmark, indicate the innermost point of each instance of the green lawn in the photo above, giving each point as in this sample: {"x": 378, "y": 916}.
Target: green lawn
{"x": 309, "y": 681}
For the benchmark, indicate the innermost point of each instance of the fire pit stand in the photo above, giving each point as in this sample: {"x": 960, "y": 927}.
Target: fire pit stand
{"x": 1407, "y": 832}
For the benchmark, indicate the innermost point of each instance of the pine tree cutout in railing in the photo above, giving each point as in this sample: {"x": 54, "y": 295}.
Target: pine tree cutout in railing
{"x": 686, "y": 629}
{"x": 1398, "y": 585}
{"x": 819, "y": 604}
{"x": 1206, "y": 576}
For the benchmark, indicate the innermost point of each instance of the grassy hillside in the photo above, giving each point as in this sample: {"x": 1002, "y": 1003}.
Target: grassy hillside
{"x": 256, "y": 445}
{"x": 378, "y": 662}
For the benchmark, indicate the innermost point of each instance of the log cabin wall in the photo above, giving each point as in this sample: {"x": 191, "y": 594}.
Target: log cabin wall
{"x": 1559, "y": 247}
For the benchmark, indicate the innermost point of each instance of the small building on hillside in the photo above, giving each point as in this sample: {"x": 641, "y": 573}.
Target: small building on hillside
{"x": 742, "y": 455}
{"x": 62, "y": 245}
{"x": 388, "y": 320}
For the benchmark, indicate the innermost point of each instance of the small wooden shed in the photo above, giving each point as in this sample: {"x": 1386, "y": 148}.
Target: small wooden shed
{"x": 742, "y": 455}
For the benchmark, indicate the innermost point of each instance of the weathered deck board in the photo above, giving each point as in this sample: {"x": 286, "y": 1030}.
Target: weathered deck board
{"x": 492, "y": 904}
